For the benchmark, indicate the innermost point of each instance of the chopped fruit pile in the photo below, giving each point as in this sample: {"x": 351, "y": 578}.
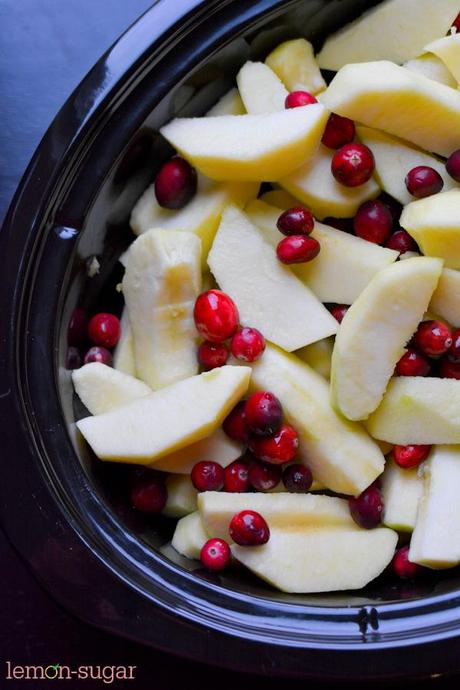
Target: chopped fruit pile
{"x": 284, "y": 377}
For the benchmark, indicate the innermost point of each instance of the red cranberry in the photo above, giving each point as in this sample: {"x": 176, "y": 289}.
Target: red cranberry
{"x": 338, "y": 311}
{"x": 366, "y": 509}
{"x": 149, "y": 494}
{"x": 235, "y": 424}
{"x": 248, "y": 528}
{"x": 175, "y": 183}
{"x": 99, "y": 354}
{"x": 296, "y": 221}
{"x": 216, "y": 316}
{"x": 402, "y": 566}
{"x": 433, "y": 338}
{"x": 343, "y": 224}
{"x": 277, "y": 449}
{"x": 412, "y": 363}
{"x": 453, "y": 352}
{"x": 402, "y": 242}
{"x": 297, "y": 249}
{"x": 297, "y": 478}
{"x": 77, "y": 330}
{"x": 104, "y": 329}
{"x": 456, "y": 22}
{"x": 299, "y": 98}
{"x": 215, "y": 555}
{"x": 73, "y": 358}
{"x": 353, "y": 164}
{"x": 410, "y": 456}
{"x": 264, "y": 413}
{"x": 448, "y": 369}
{"x": 207, "y": 476}
{"x": 339, "y": 131}
{"x": 248, "y": 344}
{"x": 453, "y": 165}
{"x": 423, "y": 181}
{"x": 236, "y": 477}
{"x": 373, "y": 222}
{"x": 212, "y": 355}
{"x": 263, "y": 477}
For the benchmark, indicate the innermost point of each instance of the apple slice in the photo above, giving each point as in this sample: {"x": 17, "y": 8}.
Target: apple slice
{"x": 182, "y": 496}
{"x": 436, "y": 539}
{"x": 123, "y": 355}
{"x": 434, "y": 224}
{"x": 166, "y": 420}
{"x": 446, "y": 298}
{"x": 217, "y": 447}
{"x": 392, "y": 98}
{"x": 448, "y": 50}
{"x": 345, "y": 264}
{"x": 268, "y": 295}
{"x": 314, "y": 184}
{"x": 260, "y": 89}
{"x": 278, "y": 198}
{"x": 393, "y": 160}
{"x": 294, "y": 63}
{"x": 418, "y": 410}
{"x": 320, "y": 560}
{"x": 249, "y": 147}
{"x": 318, "y": 356}
{"x": 401, "y": 489}
{"x": 430, "y": 66}
{"x": 374, "y": 331}
{"x": 102, "y": 388}
{"x": 339, "y": 453}
{"x": 189, "y": 536}
{"x": 229, "y": 104}
{"x": 388, "y": 31}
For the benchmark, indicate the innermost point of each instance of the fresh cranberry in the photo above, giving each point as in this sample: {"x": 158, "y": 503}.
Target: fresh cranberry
{"x": 402, "y": 566}
{"x": 366, "y": 509}
{"x": 448, "y": 369}
{"x": 104, "y": 329}
{"x": 410, "y": 456}
{"x": 343, "y": 224}
{"x": 353, "y": 164}
{"x": 264, "y": 413}
{"x": 149, "y": 494}
{"x": 453, "y": 165}
{"x": 263, "y": 477}
{"x": 297, "y": 249}
{"x": 235, "y": 424}
{"x": 296, "y": 221}
{"x": 402, "y": 242}
{"x": 236, "y": 477}
{"x": 299, "y": 98}
{"x": 77, "y": 330}
{"x": 216, "y": 316}
{"x": 215, "y": 555}
{"x": 456, "y": 22}
{"x": 277, "y": 449}
{"x": 433, "y": 338}
{"x": 248, "y": 344}
{"x": 373, "y": 222}
{"x": 248, "y": 528}
{"x": 212, "y": 355}
{"x": 412, "y": 363}
{"x": 99, "y": 354}
{"x": 207, "y": 476}
{"x": 339, "y": 131}
{"x": 73, "y": 358}
{"x": 175, "y": 183}
{"x": 338, "y": 311}
{"x": 297, "y": 478}
{"x": 423, "y": 181}
{"x": 453, "y": 352}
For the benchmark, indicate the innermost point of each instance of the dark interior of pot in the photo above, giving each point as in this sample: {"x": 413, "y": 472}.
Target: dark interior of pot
{"x": 106, "y": 234}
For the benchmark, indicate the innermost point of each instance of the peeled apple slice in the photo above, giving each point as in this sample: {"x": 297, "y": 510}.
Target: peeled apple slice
{"x": 318, "y": 356}
{"x": 448, "y": 50}
{"x": 401, "y": 490}
{"x": 182, "y": 496}
{"x": 340, "y": 454}
{"x": 166, "y": 420}
{"x": 229, "y": 104}
{"x": 430, "y": 66}
{"x": 189, "y": 536}
{"x": 435, "y": 542}
{"x": 446, "y": 298}
{"x": 260, "y": 89}
{"x": 249, "y": 147}
{"x": 388, "y": 31}
{"x": 434, "y": 224}
{"x": 393, "y": 160}
{"x": 268, "y": 295}
{"x": 418, "y": 410}
{"x": 102, "y": 388}
{"x": 398, "y": 101}
{"x": 374, "y": 331}
{"x": 161, "y": 283}
{"x": 123, "y": 356}
{"x": 217, "y": 447}
{"x": 294, "y": 63}
{"x": 279, "y": 198}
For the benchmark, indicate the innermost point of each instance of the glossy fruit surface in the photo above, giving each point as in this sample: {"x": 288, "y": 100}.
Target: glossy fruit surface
{"x": 216, "y": 316}
{"x": 448, "y": 369}
{"x": 212, "y": 355}
{"x": 297, "y": 478}
{"x": 297, "y": 249}
{"x": 402, "y": 242}
{"x": 410, "y": 456}
{"x": 295, "y": 99}
{"x": 264, "y": 413}
{"x": 175, "y": 184}
{"x": 248, "y": 528}
{"x": 353, "y": 164}
{"x": 339, "y": 131}
{"x": 367, "y": 508}
{"x": 263, "y": 477}
{"x": 104, "y": 329}
{"x": 278, "y": 449}
{"x": 338, "y": 311}
{"x": 207, "y": 475}
{"x": 453, "y": 352}
{"x": 412, "y": 363}
{"x": 99, "y": 354}
{"x": 248, "y": 344}
{"x": 402, "y": 566}
{"x": 453, "y": 165}
{"x": 433, "y": 338}
{"x": 423, "y": 181}
{"x": 215, "y": 555}
{"x": 297, "y": 220}
{"x": 149, "y": 494}
{"x": 373, "y": 222}
{"x": 236, "y": 477}
{"x": 235, "y": 424}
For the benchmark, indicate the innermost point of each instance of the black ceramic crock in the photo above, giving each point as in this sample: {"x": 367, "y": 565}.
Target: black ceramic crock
{"x": 65, "y": 512}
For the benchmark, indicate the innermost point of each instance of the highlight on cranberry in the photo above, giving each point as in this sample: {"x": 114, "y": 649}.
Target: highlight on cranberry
{"x": 402, "y": 566}
{"x": 410, "y": 456}
{"x": 297, "y": 220}
{"x": 453, "y": 353}
{"x": 373, "y": 222}
{"x": 175, "y": 183}
{"x": 236, "y": 477}
{"x": 401, "y": 242}
{"x": 367, "y": 508}
{"x": 338, "y": 311}
{"x": 296, "y": 99}
{"x": 263, "y": 477}
{"x": 264, "y": 413}
{"x": 353, "y": 164}
{"x": 297, "y": 249}
{"x": 248, "y": 344}
{"x": 412, "y": 363}
{"x": 212, "y": 355}
{"x": 99, "y": 354}
{"x": 215, "y": 555}
{"x": 278, "y": 449}
{"x": 104, "y": 329}
{"x": 297, "y": 478}
{"x": 216, "y": 316}
{"x": 235, "y": 424}
{"x": 248, "y": 528}
{"x": 339, "y": 131}
{"x": 433, "y": 338}
{"x": 207, "y": 475}
{"x": 423, "y": 181}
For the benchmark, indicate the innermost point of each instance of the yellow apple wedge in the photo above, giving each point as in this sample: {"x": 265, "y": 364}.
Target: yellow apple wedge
{"x": 430, "y": 66}
{"x": 448, "y": 50}
{"x": 168, "y": 419}
{"x": 401, "y": 491}
{"x": 446, "y": 298}
{"x": 102, "y": 388}
{"x": 182, "y": 496}
{"x": 278, "y": 198}
{"x": 249, "y": 147}
{"x": 294, "y": 63}
{"x": 398, "y": 101}
{"x": 123, "y": 355}
{"x": 260, "y": 89}
{"x": 374, "y": 331}
{"x": 189, "y": 536}
{"x": 217, "y": 447}
{"x": 387, "y": 31}
{"x": 229, "y": 104}
{"x": 318, "y": 356}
